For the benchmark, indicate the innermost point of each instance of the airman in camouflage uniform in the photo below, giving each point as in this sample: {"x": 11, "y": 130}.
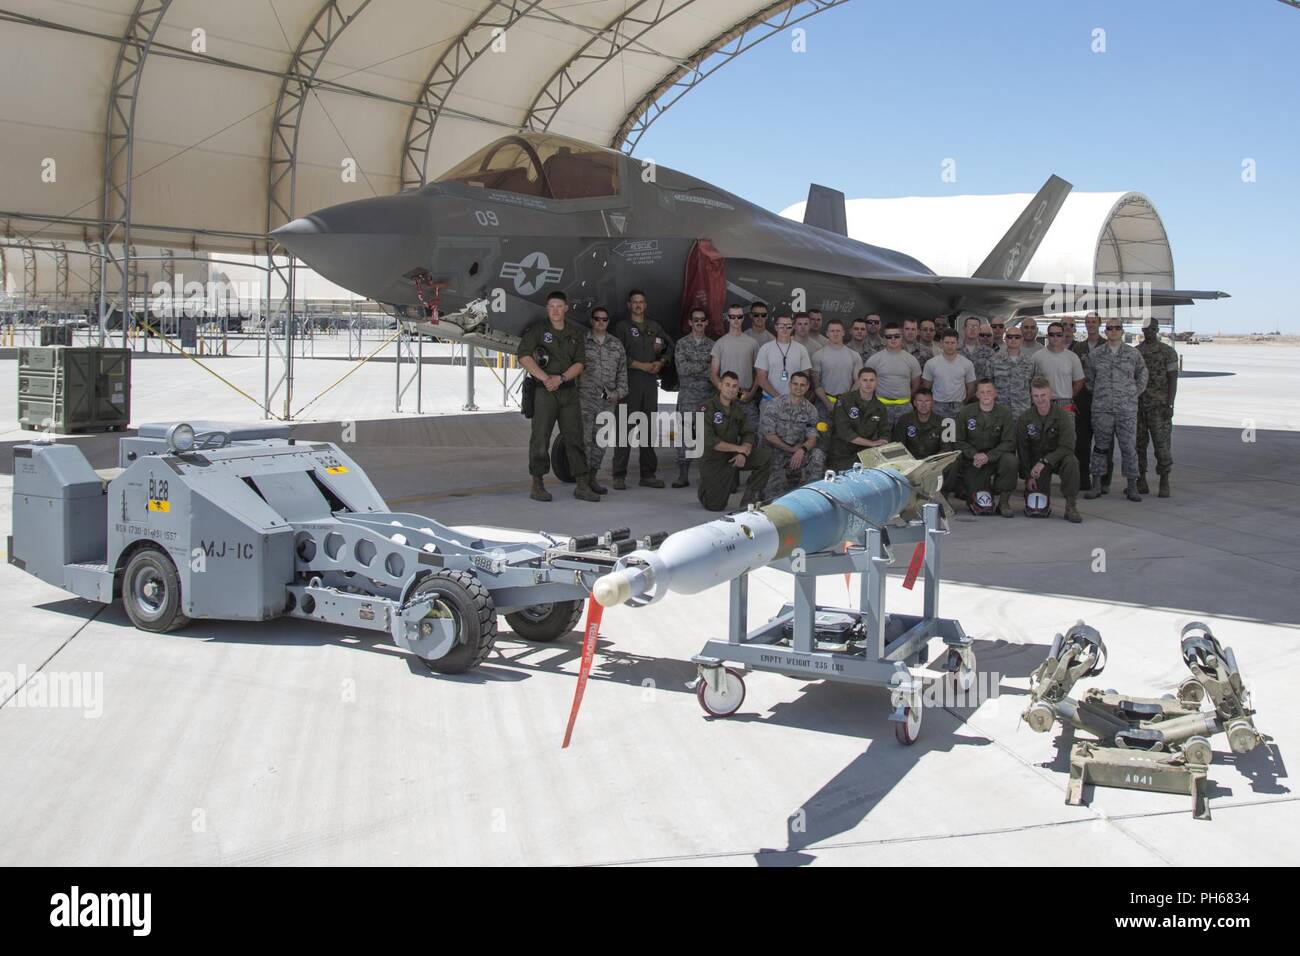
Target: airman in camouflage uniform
{"x": 1156, "y": 407}
{"x": 693, "y": 355}
{"x": 1011, "y": 374}
{"x": 792, "y": 420}
{"x": 601, "y": 387}
{"x": 1117, "y": 375}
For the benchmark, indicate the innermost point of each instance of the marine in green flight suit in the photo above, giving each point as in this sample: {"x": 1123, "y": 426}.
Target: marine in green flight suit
{"x": 553, "y": 351}
{"x": 986, "y": 438}
{"x": 726, "y": 425}
{"x": 860, "y": 420}
{"x": 1045, "y": 447}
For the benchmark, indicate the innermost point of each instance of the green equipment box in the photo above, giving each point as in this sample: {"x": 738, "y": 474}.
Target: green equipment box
{"x": 68, "y": 389}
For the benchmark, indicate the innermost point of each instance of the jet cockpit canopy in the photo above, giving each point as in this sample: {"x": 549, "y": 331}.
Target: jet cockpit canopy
{"x": 542, "y": 165}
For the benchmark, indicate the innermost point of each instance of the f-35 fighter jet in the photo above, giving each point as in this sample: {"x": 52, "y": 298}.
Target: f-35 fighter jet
{"x": 474, "y": 254}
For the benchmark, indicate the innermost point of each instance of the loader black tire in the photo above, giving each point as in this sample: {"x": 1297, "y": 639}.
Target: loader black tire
{"x": 560, "y": 460}
{"x": 151, "y": 591}
{"x": 476, "y": 619}
{"x": 545, "y": 622}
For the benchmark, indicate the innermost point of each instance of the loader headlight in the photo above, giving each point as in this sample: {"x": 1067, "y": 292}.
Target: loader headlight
{"x": 180, "y": 437}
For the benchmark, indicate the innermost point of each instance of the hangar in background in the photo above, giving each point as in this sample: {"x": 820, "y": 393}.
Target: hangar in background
{"x": 1096, "y": 237}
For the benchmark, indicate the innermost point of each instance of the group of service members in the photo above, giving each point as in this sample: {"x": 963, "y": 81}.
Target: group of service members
{"x": 785, "y": 403}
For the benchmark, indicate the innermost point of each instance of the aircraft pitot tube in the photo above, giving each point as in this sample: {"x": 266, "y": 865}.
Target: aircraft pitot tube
{"x": 816, "y": 517}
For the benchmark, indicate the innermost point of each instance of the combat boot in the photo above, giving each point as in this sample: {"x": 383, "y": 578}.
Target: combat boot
{"x": 584, "y": 491}
{"x": 1072, "y": 512}
{"x": 683, "y": 476}
{"x": 1143, "y": 487}
{"x": 652, "y": 482}
{"x": 1096, "y": 490}
{"x": 596, "y": 486}
{"x": 1130, "y": 490}
{"x": 619, "y": 484}
{"x": 539, "y": 492}
{"x": 1164, "y": 486}
{"x": 1004, "y": 505}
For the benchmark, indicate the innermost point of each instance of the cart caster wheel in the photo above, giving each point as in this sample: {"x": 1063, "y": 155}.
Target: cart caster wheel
{"x": 727, "y": 699}
{"x": 962, "y": 668}
{"x": 909, "y": 729}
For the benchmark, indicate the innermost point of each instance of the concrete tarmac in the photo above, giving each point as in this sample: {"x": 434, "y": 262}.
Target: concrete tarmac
{"x": 294, "y": 743}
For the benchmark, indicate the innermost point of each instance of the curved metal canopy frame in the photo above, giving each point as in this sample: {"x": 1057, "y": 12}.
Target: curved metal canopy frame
{"x": 330, "y": 21}
{"x": 601, "y": 48}
{"x": 119, "y": 146}
{"x": 725, "y": 47}
{"x": 498, "y": 17}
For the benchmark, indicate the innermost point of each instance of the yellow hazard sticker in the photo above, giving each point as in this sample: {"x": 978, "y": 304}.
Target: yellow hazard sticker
{"x": 157, "y": 505}
{"x": 337, "y": 470}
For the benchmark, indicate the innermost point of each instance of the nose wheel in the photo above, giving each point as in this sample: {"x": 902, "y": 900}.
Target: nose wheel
{"x": 720, "y": 691}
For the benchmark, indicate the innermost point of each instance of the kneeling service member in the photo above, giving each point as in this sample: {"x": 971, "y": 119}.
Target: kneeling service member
{"x": 789, "y": 427}
{"x": 986, "y": 438}
{"x": 1045, "y": 447}
{"x": 730, "y": 447}
{"x": 554, "y": 352}
{"x": 921, "y": 432}
{"x": 860, "y": 421}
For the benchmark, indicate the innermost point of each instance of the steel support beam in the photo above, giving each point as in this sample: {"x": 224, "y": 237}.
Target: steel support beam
{"x": 601, "y": 48}
{"x": 29, "y": 270}
{"x": 119, "y": 142}
{"x": 710, "y": 58}
{"x": 329, "y": 23}
{"x": 462, "y": 53}
{"x": 60, "y": 253}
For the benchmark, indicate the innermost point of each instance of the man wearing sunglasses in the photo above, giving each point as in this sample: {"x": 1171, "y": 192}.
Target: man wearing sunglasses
{"x": 874, "y": 341}
{"x": 1012, "y": 372}
{"x": 898, "y": 375}
{"x": 648, "y": 348}
{"x": 1061, "y": 367}
{"x": 779, "y": 359}
{"x": 601, "y": 387}
{"x": 694, "y": 356}
{"x": 1117, "y": 375}
{"x": 758, "y": 324}
{"x": 736, "y": 352}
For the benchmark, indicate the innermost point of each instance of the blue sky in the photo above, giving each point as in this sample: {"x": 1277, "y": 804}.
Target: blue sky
{"x": 1013, "y": 91}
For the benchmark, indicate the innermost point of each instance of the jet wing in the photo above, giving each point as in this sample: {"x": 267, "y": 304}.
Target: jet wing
{"x": 991, "y": 296}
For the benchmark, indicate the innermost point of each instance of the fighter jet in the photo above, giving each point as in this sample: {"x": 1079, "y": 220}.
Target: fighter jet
{"x": 473, "y": 254}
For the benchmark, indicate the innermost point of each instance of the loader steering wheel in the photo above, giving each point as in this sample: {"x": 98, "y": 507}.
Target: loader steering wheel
{"x": 210, "y": 440}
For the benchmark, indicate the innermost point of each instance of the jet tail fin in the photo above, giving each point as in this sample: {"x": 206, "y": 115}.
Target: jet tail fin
{"x": 825, "y": 209}
{"x": 1010, "y": 257}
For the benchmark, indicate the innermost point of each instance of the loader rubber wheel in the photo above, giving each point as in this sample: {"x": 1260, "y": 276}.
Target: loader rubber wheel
{"x": 560, "y": 461}
{"x": 545, "y": 622}
{"x": 151, "y": 592}
{"x": 470, "y": 605}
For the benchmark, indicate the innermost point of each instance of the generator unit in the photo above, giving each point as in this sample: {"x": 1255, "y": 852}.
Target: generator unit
{"x": 65, "y": 389}
{"x": 242, "y": 522}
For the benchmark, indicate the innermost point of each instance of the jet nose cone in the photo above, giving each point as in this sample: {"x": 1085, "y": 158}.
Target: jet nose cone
{"x": 291, "y": 231}
{"x": 366, "y": 246}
